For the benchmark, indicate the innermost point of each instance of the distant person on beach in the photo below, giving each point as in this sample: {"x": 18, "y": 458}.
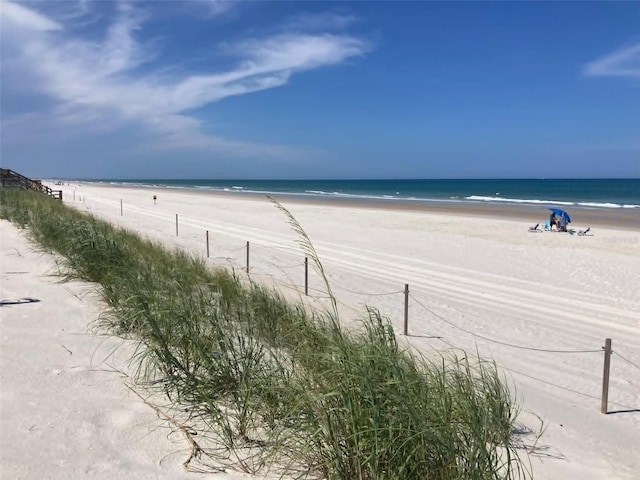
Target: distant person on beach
{"x": 155, "y": 199}
{"x": 552, "y": 221}
{"x": 562, "y": 224}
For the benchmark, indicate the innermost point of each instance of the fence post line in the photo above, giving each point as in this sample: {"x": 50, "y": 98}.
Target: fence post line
{"x": 605, "y": 377}
{"x": 247, "y": 256}
{"x": 176, "y": 224}
{"x": 406, "y": 309}
{"x": 306, "y": 276}
{"x": 207, "y": 243}
{"x": 120, "y": 207}
{"x": 74, "y": 194}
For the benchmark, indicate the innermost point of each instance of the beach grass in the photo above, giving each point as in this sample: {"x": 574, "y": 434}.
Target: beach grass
{"x": 276, "y": 385}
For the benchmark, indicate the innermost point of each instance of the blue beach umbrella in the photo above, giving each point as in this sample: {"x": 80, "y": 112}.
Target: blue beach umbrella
{"x": 564, "y": 216}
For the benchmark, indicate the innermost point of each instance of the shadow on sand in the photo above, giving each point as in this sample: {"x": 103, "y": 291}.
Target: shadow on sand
{"x": 18, "y": 301}
{"x": 631, "y": 410}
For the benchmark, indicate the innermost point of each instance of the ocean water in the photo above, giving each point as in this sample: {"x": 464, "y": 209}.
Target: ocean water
{"x": 587, "y": 193}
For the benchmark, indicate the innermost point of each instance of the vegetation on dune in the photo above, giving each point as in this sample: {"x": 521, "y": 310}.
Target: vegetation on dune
{"x": 276, "y": 385}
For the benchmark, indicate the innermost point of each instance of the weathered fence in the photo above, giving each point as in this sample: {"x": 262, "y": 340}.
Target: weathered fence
{"x": 407, "y": 298}
{"x": 11, "y": 179}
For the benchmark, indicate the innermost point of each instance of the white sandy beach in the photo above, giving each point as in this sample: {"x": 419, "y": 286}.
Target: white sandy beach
{"x": 479, "y": 284}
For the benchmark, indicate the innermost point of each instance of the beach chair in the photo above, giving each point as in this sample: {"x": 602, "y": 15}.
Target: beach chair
{"x": 582, "y": 233}
{"x": 534, "y": 229}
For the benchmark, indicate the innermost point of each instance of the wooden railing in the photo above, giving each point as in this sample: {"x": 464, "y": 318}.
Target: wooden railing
{"x": 11, "y": 179}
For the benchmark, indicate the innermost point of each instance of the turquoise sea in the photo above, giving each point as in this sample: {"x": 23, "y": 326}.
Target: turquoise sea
{"x": 587, "y": 193}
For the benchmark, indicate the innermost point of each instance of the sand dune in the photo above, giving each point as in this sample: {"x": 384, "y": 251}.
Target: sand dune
{"x": 65, "y": 409}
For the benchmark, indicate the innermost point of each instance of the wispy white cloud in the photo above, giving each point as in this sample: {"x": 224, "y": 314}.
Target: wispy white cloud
{"x": 71, "y": 10}
{"x": 293, "y": 52}
{"x": 624, "y": 62}
{"x": 26, "y": 18}
{"x": 93, "y": 80}
{"x": 215, "y": 8}
{"x": 75, "y": 14}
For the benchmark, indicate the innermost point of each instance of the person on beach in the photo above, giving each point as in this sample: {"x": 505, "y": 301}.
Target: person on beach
{"x": 552, "y": 221}
{"x": 562, "y": 224}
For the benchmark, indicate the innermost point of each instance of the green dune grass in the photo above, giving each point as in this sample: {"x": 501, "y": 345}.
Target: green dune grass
{"x": 278, "y": 386}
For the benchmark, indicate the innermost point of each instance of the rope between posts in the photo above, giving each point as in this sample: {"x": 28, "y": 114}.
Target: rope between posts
{"x": 260, "y": 271}
{"x": 521, "y": 347}
{"x": 450, "y": 344}
{"x": 323, "y": 293}
{"x": 290, "y": 250}
{"x": 221, "y": 258}
{"x": 549, "y": 383}
{"x": 225, "y": 260}
{"x": 365, "y": 293}
{"x": 349, "y": 307}
{"x": 287, "y": 266}
{"x": 290, "y": 286}
{"x": 502, "y": 367}
{"x": 626, "y": 360}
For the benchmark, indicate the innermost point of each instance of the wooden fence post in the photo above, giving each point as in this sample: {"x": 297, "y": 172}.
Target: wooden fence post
{"x": 207, "y": 236}
{"x": 176, "y": 224}
{"x": 247, "y": 256}
{"x": 406, "y": 309}
{"x": 605, "y": 377}
{"x": 306, "y": 276}
{"x": 120, "y": 207}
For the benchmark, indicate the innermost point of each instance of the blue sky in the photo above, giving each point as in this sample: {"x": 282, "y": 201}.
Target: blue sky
{"x": 213, "y": 89}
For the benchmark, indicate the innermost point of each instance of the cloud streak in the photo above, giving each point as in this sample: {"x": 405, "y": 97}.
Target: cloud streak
{"x": 26, "y": 18}
{"x": 624, "y": 62}
{"x": 217, "y": 7}
{"x": 94, "y": 80}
